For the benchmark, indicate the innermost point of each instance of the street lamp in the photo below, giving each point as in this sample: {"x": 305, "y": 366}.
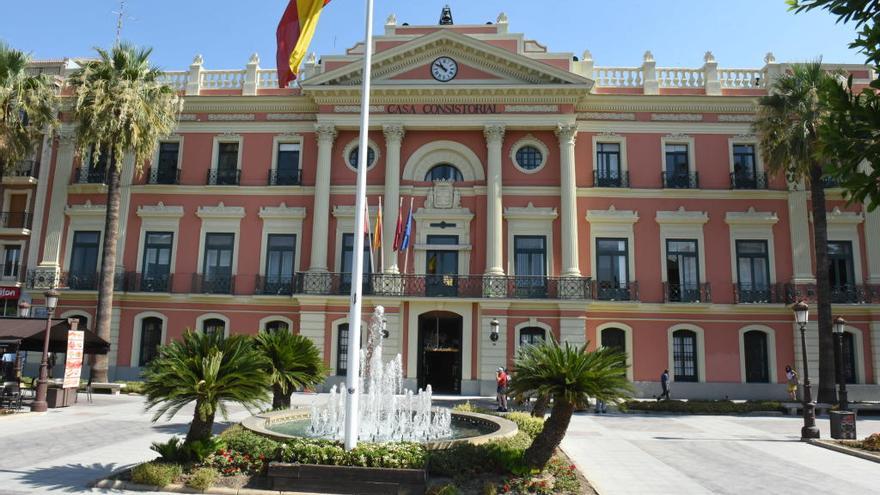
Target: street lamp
{"x": 839, "y": 325}
{"x": 495, "y": 326}
{"x": 24, "y": 309}
{"x": 809, "y": 430}
{"x": 40, "y": 404}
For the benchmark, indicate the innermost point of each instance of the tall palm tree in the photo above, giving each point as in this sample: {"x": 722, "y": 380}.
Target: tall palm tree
{"x": 27, "y": 106}
{"x": 210, "y": 370}
{"x": 788, "y": 125}
{"x": 121, "y": 106}
{"x": 292, "y": 362}
{"x": 570, "y": 375}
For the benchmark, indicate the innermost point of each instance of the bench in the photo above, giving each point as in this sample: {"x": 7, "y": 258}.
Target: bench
{"x": 114, "y": 388}
{"x": 793, "y": 407}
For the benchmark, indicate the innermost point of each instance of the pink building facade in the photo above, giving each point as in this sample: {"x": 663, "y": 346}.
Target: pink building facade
{"x": 620, "y": 206}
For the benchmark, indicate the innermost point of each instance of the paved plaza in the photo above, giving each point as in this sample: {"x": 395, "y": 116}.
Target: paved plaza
{"x": 667, "y": 454}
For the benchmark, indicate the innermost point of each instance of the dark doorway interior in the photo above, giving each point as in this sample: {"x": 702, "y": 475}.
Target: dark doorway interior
{"x": 439, "y": 358}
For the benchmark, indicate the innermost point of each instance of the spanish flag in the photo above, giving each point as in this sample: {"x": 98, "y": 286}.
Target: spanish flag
{"x": 295, "y": 32}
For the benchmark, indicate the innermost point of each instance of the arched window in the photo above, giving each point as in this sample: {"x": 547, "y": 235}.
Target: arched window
{"x": 214, "y": 326}
{"x": 756, "y": 357}
{"x": 151, "y": 339}
{"x": 614, "y": 338}
{"x": 684, "y": 355}
{"x": 277, "y": 326}
{"x": 532, "y": 336}
{"x": 444, "y": 171}
{"x": 342, "y": 350}
{"x": 849, "y": 358}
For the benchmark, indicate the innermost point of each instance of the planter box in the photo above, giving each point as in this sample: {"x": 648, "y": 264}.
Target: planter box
{"x": 347, "y": 480}
{"x": 60, "y": 397}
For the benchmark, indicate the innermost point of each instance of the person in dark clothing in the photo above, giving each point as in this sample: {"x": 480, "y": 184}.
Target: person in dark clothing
{"x": 664, "y": 382}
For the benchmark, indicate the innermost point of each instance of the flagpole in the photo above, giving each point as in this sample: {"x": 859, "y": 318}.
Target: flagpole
{"x": 381, "y": 229}
{"x": 409, "y": 226}
{"x": 354, "y": 317}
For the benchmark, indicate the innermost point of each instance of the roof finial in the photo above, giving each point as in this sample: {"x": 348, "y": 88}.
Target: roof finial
{"x": 446, "y": 16}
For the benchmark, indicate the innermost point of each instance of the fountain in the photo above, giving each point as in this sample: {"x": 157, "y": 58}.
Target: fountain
{"x": 387, "y": 412}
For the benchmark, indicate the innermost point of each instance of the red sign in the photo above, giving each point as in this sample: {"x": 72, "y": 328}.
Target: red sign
{"x": 10, "y": 292}
{"x": 74, "y": 361}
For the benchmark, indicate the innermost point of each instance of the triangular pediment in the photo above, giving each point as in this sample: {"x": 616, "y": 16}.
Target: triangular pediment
{"x": 479, "y": 63}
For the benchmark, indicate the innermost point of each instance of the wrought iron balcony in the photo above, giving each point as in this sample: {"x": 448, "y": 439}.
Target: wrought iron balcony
{"x": 759, "y": 294}
{"x": 88, "y": 175}
{"x": 213, "y": 284}
{"x": 687, "y": 293}
{"x": 15, "y": 220}
{"x": 748, "y": 181}
{"x": 157, "y": 175}
{"x": 604, "y": 179}
{"x": 23, "y": 168}
{"x": 603, "y": 290}
{"x": 840, "y": 294}
{"x": 285, "y": 177}
{"x": 139, "y": 282}
{"x": 80, "y": 280}
{"x": 678, "y": 180}
{"x": 224, "y": 177}
{"x": 275, "y": 285}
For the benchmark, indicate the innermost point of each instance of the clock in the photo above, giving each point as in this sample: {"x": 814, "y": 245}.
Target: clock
{"x": 444, "y": 69}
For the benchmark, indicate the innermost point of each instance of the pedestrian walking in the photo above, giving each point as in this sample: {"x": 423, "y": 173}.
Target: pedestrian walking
{"x": 791, "y": 377}
{"x": 664, "y": 382}
{"x": 501, "y": 380}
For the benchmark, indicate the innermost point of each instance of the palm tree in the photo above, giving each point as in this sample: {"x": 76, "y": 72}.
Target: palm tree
{"x": 787, "y": 124}
{"x": 210, "y": 370}
{"x": 121, "y": 106}
{"x": 27, "y": 106}
{"x": 570, "y": 375}
{"x": 292, "y": 362}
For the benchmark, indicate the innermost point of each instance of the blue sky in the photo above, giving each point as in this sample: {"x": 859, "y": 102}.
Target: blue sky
{"x": 226, "y": 32}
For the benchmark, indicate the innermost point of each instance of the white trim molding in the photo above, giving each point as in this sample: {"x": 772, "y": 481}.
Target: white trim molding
{"x": 678, "y": 139}
{"x": 280, "y": 139}
{"x": 282, "y": 219}
{"x": 844, "y": 226}
{"x": 174, "y": 138}
{"x": 745, "y": 139}
{"x": 442, "y": 151}
{"x": 226, "y": 138}
{"x": 220, "y": 219}
{"x": 530, "y": 221}
{"x": 615, "y": 224}
{"x": 610, "y": 138}
{"x": 137, "y": 330}
{"x": 772, "y": 371}
{"x": 533, "y": 322}
{"x": 529, "y": 140}
{"x": 752, "y": 225}
{"x": 85, "y": 217}
{"x": 701, "y": 350}
{"x": 859, "y": 345}
{"x": 159, "y": 218}
{"x": 685, "y": 225}
{"x": 628, "y": 336}
{"x": 354, "y": 143}
{"x": 424, "y": 217}
{"x": 269, "y": 319}
{"x": 200, "y": 321}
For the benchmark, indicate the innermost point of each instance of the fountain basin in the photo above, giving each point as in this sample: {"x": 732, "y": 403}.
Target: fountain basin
{"x": 467, "y": 427}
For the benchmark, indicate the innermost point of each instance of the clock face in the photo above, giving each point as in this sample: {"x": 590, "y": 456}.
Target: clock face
{"x": 444, "y": 69}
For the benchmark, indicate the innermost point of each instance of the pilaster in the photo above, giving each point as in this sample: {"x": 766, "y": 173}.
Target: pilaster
{"x": 39, "y": 204}
{"x": 49, "y": 267}
{"x": 872, "y": 238}
{"x": 326, "y": 134}
{"x": 799, "y": 228}
{"x": 567, "y": 134}
{"x": 393, "y": 140}
{"x": 494, "y": 138}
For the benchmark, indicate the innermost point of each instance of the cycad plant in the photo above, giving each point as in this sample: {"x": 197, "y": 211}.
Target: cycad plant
{"x": 292, "y": 362}
{"x": 121, "y": 107}
{"x": 788, "y": 125}
{"x": 210, "y": 370}
{"x": 570, "y": 375}
{"x": 27, "y": 106}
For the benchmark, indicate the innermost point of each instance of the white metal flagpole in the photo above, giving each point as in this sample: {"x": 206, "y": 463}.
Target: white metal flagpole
{"x": 354, "y": 317}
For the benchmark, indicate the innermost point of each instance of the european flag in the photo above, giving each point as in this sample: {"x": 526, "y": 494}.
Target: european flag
{"x": 404, "y": 244}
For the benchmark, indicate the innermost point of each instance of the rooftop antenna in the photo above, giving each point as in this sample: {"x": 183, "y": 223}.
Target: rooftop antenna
{"x": 120, "y": 20}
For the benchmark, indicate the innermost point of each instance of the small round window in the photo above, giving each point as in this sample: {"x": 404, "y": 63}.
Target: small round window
{"x": 353, "y": 157}
{"x": 529, "y": 157}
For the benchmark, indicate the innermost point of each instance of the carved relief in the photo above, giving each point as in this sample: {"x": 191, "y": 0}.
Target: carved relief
{"x": 443, "y": 196}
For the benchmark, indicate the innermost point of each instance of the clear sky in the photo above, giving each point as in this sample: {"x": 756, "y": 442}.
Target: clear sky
{"x": 617, "y": 32}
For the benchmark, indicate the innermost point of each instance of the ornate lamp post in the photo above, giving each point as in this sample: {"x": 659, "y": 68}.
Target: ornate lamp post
{"x": 40, "y": 404}
{"x": 495, "y": 326}
{"x": 839, "y": 325}
{"x": 809, "y": 430}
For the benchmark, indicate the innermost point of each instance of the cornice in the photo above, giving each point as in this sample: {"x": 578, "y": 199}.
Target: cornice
{"x": 87, "y": 209}
{"x": 419, "y": 93}
{"x": 220, "y": 211}
{"x": 462, "y": 214}
{"x": 668, "y": 104}
{"x": 160, "y": 210}
{"x": 751, "y": 217}
{"x": 682, "y": 216}
{"x": 612, "y": 215}
{"x": 839, "y": 217}
{"x": 282, "y": 212}
{"x": 249, "y": 104}
{"x": 530, "y": 212}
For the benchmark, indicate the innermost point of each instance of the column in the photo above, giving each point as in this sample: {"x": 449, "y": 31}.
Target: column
{"x": 326, "y": 134}
{"x": 872, "y": 238}
{"x": 799, "y": 229}
{"x": 567, "y": 134}
{"x": 494, "y": 138}
{"x": 50, "y": 263}
{"x": 393, "y": 138}
{"x": 126, "y": 178}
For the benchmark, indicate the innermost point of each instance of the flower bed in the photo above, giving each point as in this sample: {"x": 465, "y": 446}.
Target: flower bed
{"x": 871, "y": 443}
{"x": 703, "y": 406}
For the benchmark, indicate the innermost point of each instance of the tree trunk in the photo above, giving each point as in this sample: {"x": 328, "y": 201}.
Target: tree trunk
{"x": 823, "y": 288}
{"x": 541, "y": 450}
{"x": 108, "y": 268}
{"x": 280, "y": 399}
{"x": 200, "y": 429}
{"x": 539, "y": 409}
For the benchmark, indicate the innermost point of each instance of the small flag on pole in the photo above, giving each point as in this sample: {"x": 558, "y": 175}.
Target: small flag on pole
{"x": 398, "y": 229}
{"x": 295, "y": 32}
{"x": 377, "y": 236}
{"x": 407, "y": 231}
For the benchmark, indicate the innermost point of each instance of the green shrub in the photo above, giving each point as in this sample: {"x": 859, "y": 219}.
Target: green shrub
{"x": 175, "y": 451}
{"x": 400, "y": 455}
{"x": 202, "y": 478}
{"x": 156, "y": 474}
{"x": 242, "y": 440}
{"x": 465, "y": 461}
{"x": 489, "y": 488}
{"x": 449, "y": 489}
{"x": 526, "y": 423}
{"x": 703, "y": 406}
{"x": 133, "y": 388}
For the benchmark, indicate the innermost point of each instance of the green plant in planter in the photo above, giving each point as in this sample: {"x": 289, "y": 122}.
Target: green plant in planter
{"x": 155, "y": 474}
{"x": 202, "y": 478}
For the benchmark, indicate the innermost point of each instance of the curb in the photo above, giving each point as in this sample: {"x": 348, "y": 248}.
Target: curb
{"x": 178, "y": 488}
{"x": 831, "y": 445}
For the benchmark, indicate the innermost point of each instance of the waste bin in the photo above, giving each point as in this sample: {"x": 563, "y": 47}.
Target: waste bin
{"x": 843, "y": 425}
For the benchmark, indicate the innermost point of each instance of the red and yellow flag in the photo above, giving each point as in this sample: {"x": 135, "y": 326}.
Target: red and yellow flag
{"x": 295, "y": 32}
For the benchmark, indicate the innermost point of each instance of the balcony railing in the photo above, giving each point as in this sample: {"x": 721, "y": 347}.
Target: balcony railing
{"x": 840, "y": 294}
{"x": 275, "y": 286}
{"x": 87, "y": 175}
{"x": 213, "y": 284}
{"x": 615, "y": 291}
{"x": 603, "y": 179}
{"x": 678, "y": 180}
{"x": 687, "y": 293}
{"x": 15, "y": 220}
{"x": 139, "y": 282}
{"x": 80, "y": 281}
{"x": 759, "y": 294}
{"x": 163, "y": 176}
{"x": 746, "y": 181}
{"x": 224, "y": 177}
{"x": 285, "y": 177}
{"x": 23, "y": 168}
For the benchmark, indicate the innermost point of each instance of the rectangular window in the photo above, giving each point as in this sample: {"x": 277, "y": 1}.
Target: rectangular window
{"x": 96, "y": 172}
{"x": 287, "y": 171}
{"x": 342, "y": 350}
{"x": 84, "y": 260}
{"x": 753, "y": 271}
{"x": 677, "y": 174}
{"x": 682, "y": 271}
{"x": 841, "y": 272}
{"x": 217, "y": 268}
{"x": 227, "y": 163}
{"x": 166, "y": 168}
{"x": 530, "y": 266}
{"x": 608, "y": 173}
{"x": 441, "y": 267}
{"x": 156, "y": 269}
{"x": 745, "y": 172}
{"x": 612, "y": 269}
{"x": 347, "y": 262}
{"x": 11, "y": 260}
{"x": 280, "y": 255}
{"x": 684, "y": 355}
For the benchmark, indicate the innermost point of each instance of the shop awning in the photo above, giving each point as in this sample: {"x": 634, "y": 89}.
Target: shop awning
{"x": 30, "y": 332}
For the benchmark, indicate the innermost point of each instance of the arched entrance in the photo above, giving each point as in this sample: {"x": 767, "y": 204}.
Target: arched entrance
{"x": 439, "y": 351}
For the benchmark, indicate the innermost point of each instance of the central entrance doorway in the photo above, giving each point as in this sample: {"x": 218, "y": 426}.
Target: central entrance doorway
{"x": 439, "y": 357}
